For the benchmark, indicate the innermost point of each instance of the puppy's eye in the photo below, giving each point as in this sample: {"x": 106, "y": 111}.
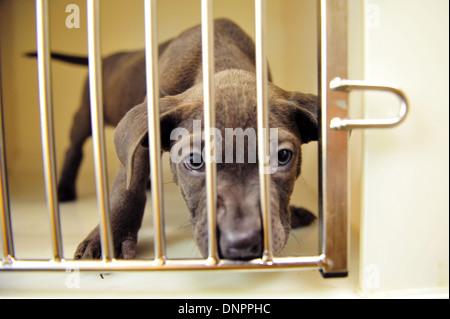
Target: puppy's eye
{"x": 194, "y": 162}
{"x": 284, "y": 157}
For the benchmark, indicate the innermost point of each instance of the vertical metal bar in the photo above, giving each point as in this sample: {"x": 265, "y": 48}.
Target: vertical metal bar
{"x": 95, "y": 88}
{"x": 46, "y": 117}
{"x": 263, "y": 126}
{"x": 210, "y": 123}
{"x": 333, "y": 143}
{"x": 151, "y": 60}
{"x": 5, "y": 218}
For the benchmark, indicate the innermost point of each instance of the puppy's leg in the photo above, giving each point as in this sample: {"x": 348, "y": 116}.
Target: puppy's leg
{"x": 80, "y": 132}
{"x": 127, "y": 210}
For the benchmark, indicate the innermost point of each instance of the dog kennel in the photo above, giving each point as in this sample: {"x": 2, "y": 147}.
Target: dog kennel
{"x": 331, "y": 234}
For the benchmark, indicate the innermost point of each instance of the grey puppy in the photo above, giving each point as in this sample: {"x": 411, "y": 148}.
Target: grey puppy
{"x": 239, "y": 225}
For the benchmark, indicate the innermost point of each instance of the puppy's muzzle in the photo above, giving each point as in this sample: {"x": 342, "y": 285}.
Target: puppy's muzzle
{"x": 239, "y": 227}
{"x": 243, "y": 246}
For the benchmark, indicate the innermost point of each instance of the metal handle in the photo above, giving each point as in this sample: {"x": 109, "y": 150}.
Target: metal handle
{"x": 348, "y": 85}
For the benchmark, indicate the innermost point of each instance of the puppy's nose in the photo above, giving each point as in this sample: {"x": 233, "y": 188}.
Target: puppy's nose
{"x": 241, "y": 245}
{"x": 239, "y": 225}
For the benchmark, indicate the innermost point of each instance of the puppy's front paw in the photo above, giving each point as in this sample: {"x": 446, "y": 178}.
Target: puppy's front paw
{"x": 90, "y": 248}
{"x": 125, "y": 247}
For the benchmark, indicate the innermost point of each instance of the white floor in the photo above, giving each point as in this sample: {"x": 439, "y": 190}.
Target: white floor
{"x": 32, "y": 240}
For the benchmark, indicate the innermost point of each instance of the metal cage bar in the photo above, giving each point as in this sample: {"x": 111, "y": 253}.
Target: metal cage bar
{"x": 306, "y": 262}
{"x": 151, "y": 52}
{"x": 210, "y": 123}
{"x": 46, "y": 117}
{"x": 96, "y": 99}
{"x": 263, "y": 126}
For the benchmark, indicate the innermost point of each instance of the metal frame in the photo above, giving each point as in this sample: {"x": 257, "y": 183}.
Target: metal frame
{"x": 333, "y": 142}
{"x": 333, "y": 186}
{"x": 332, "y": 256}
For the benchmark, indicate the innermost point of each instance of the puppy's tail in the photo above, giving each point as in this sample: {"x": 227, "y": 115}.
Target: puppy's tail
{"x": 72, "y": 59}
{"x": 301, "y": 217}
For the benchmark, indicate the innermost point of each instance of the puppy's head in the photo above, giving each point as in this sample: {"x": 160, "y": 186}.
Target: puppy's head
{"x": 293, "y": 121}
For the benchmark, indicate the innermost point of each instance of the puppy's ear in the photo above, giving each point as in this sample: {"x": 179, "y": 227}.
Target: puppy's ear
{"x": 132, "y": 131}
{"x": 306, "y": 113}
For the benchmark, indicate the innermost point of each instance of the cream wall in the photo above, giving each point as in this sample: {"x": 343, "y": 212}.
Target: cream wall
{"x": 405, "y": 187}
{"x": 292, "y": 51}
